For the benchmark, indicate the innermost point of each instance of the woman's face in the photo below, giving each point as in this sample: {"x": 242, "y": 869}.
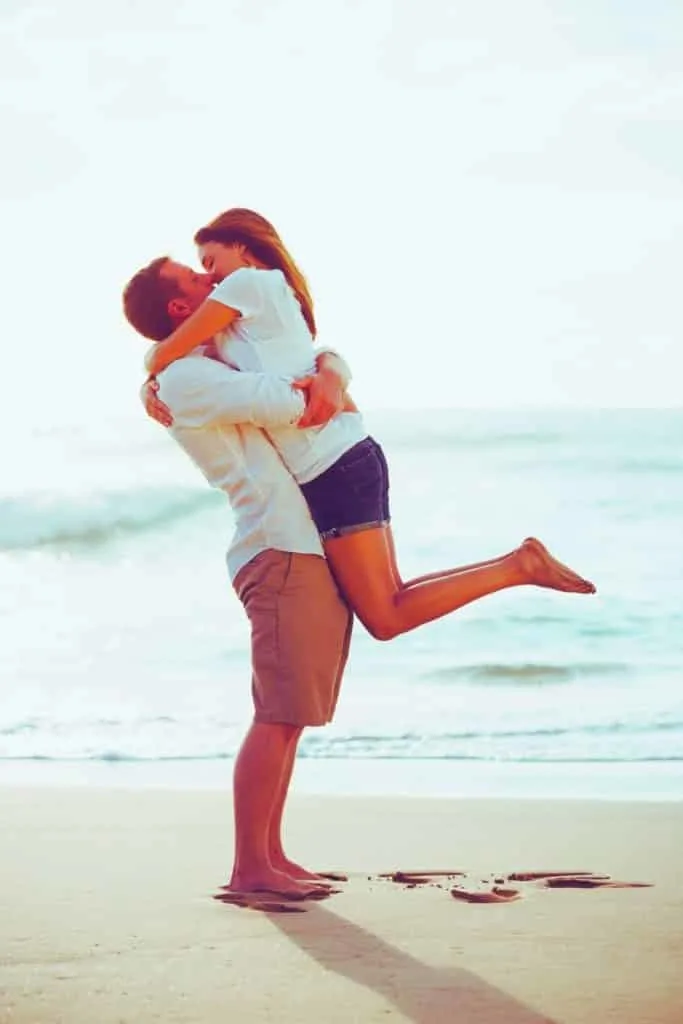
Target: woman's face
{"x": 220, "y": 260}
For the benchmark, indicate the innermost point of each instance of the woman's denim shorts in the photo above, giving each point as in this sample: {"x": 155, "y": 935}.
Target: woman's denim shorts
{"x": 353, "y": 494}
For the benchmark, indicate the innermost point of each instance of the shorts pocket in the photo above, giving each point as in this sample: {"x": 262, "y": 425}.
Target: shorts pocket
{"x": 266, "y": 574}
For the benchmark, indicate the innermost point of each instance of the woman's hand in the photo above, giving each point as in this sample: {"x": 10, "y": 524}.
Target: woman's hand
{"x": 154, "y": 407}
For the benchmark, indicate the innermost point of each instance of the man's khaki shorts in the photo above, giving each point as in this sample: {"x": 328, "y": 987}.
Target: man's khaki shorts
{"x": 300, "y": 636}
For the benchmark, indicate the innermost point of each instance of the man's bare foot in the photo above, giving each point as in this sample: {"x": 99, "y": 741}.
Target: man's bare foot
{"x": 540, "y": 568}
{"x": 294, "y": 870}
{"x": 268, "y": 880}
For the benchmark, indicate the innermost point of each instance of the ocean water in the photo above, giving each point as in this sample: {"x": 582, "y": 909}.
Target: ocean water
{"x": 124, "y": 655}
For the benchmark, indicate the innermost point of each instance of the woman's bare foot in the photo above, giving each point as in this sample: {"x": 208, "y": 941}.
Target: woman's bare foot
{"x": 541, "y": 569}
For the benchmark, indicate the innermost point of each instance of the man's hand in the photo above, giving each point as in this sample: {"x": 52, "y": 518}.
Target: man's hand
{"x": 324, "y": 396}
{"x": 154, "y": 407}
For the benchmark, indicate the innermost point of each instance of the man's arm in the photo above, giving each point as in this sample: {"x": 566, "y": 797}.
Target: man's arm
{"x": 200, "y": 391}
{"x": 203, "y": 390}
{"x": 326, "y": 391}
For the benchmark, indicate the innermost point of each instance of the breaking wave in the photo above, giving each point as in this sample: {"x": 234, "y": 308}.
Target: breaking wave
{"x": 42, "y": 520}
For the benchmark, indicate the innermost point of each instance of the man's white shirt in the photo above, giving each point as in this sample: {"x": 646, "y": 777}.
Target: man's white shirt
{"x": 218, "y": 414}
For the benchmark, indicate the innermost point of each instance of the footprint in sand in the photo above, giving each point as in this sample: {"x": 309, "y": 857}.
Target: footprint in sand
{"x": 494, "y": 888}
{"x": 496, "y": 894}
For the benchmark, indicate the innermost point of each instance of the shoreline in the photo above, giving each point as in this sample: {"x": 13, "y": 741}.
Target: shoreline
{"x": 106, "y": 913}
{"x": 377, "y": 778}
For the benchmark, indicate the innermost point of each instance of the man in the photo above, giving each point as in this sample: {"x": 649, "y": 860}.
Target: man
{"x": 300, "y": 625}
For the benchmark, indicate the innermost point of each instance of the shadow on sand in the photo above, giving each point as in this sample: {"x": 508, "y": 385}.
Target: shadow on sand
{"x": 423, "y": 994}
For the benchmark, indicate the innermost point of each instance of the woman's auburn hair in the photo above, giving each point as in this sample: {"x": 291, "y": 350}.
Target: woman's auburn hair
{"x": 245, "y": 227}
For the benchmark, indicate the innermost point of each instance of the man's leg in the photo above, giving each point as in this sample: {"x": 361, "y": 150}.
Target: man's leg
{"x": 264, "y": 762}
{"x": 278, "y": 858}
{"x": 300, "y": 636}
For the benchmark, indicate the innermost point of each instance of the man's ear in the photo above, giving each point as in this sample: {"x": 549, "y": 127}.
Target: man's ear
{"x": 178, "y": 309}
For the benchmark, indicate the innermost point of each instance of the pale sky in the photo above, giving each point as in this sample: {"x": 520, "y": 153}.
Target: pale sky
{"x": 486, "y": 196}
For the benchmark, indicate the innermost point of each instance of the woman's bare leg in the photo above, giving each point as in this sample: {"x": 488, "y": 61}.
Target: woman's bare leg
{"x": 441, "y": 573}
{"x": 364, "y": 565}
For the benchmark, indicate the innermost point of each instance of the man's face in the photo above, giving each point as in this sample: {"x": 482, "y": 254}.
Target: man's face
{"x": 192, "y": 288}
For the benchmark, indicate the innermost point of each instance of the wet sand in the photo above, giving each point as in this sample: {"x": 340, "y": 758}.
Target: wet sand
{"x": 107, "y": 915}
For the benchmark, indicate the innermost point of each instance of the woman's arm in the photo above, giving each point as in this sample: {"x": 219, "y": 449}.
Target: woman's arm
{"x": 211, "y": 318}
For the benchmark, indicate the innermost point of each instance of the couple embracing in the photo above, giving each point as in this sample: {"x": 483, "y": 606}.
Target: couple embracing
{"x": 236, "y": 375}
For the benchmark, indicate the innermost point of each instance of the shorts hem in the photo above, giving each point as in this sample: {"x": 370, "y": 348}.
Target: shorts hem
{"x": 343, "y": 531}
{"x": 265, "y": 718}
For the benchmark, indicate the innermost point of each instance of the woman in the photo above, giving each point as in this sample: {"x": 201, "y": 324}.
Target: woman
{"x": 261, "y": 315}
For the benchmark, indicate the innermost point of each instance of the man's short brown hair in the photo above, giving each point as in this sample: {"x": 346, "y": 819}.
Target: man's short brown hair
{"x": 146, "y": 298}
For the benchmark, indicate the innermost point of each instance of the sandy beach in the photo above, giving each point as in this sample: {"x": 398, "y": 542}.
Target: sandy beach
{"x": 107, "y": 913}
